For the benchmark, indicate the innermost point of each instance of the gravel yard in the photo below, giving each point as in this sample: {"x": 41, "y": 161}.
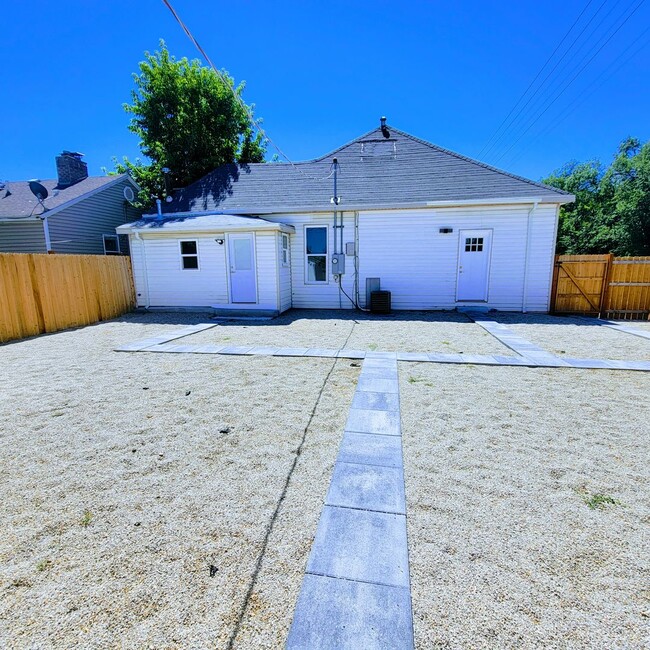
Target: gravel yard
{"x": 528, "y": 505}
{"x": 401, "y": 331}
{"x": 571, "y": 337}
{"x": 126, "y": 477}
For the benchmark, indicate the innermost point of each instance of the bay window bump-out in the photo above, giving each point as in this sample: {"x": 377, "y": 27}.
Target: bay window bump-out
{"x": 316, "y": 254}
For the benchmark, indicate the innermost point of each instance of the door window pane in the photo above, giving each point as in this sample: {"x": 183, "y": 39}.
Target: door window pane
{"x": 243, "y": 254}
{"x": 316, "y": 241}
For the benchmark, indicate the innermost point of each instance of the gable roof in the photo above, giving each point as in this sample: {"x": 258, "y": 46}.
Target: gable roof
{"x": 374, "y": 173}
{"x": 17, "y": 200}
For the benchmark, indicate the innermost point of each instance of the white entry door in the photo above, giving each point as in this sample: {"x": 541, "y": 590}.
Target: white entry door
{"x": 243, "y": 278}
{"x": 473, "y": 264}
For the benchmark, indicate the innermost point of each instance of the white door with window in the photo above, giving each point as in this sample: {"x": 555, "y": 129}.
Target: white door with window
{"x": 243, "y": 276}
{"x": 473, "y": 265}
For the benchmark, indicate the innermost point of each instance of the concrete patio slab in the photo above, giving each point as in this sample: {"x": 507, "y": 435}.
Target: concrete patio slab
{"x": 370, "y": 449}
{"x": 236, "y": 349}
{"x": 373, "y": 421}
{"x": 290, "y": 352}
{"x": 361, "y": 545}
{"x": 372, "y": 385}
{"x": 321, "y": 352}
{"x": 351, "y": 354}
{"x": 335, "y": 614}
{"x": 367, "y": 487}
{"x": 379, "y": 401}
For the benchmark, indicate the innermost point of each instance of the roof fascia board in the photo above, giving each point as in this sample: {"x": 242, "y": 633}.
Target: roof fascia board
{"x": 283, "y": 227}
{"x": 364, "y": 207}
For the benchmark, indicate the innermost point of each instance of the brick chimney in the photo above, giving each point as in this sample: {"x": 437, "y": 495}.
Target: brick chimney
{"x": 70, "y": 168}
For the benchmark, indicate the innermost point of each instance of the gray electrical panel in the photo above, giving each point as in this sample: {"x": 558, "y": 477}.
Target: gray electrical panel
{"x": 338, "y": 264}
{"x": 372, "y": 284}
{"x": 349, "y": 248}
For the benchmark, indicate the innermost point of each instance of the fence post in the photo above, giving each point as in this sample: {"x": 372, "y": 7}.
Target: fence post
{"x": 604, "y": 293}
{"x": 556, "y": 270}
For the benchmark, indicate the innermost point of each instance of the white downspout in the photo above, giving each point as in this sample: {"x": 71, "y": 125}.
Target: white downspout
{"x": 144, "y": 267}
{"x": 524, "y": 300}
{"x": 46, "y": 233}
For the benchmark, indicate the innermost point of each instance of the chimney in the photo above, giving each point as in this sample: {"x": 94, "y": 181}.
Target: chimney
{"x": 70, "y": 168}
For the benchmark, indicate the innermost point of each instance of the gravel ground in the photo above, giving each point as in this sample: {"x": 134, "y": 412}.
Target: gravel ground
{"x": 569, "y": 337}
{"x": 117, "y": 500}
{"x": 401, "y": 331}
{"x": 505, "y": 552}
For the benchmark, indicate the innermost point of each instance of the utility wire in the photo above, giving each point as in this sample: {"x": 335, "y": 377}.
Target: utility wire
{"x": 594, "y": 86}
{"x": 553, "y": 90}
{"x": 562, "y": 91}
{"x": 486, "y": 147}
{"x": 237, "y": 96}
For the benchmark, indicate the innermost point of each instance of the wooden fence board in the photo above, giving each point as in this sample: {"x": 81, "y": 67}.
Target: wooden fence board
{"x": 604, "y": 285}
{"x": 46, "y": 293}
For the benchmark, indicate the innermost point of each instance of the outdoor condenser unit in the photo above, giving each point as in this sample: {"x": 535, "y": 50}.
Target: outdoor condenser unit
{"x": 380, "y": 302}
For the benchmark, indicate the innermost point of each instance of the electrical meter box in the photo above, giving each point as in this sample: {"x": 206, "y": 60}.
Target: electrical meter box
{"x": 338, "y": 264}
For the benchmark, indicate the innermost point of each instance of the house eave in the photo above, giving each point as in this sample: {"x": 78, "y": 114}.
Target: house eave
{"x": 343, "y": 207}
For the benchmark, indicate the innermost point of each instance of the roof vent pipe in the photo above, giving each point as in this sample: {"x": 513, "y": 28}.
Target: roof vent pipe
{"x": 384, "y": 129}
{"x": 159, "y": 208}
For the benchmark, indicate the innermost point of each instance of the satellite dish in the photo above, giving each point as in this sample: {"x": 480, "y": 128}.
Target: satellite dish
{"x": 129, "y": 195}
{"x": 38, "y": 190}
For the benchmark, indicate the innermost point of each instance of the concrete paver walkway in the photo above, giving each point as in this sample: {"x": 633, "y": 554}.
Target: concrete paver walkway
{"x": 356, "y": 591}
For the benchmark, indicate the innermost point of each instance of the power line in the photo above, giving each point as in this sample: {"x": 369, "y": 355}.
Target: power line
{"x": 237, "y": 96}
{"x": 512, "y": 110}
{"x": 582, "y": 98}
{"x": 543, "y": 112}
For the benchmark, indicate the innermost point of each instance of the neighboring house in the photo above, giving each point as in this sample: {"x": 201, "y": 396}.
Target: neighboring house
{"x": 439, "y": 230}
{"x": 81, "y": 213}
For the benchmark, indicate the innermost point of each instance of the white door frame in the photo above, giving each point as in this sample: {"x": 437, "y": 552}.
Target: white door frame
{"x": 251, "y": 237}
{"x": 486, "y": 233}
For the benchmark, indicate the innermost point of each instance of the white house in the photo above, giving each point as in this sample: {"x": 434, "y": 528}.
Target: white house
{"x": 439, "y": 231}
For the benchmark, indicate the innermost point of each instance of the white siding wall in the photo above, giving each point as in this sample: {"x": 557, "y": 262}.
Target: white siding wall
{"x": 419, "y": 265}
{"x": 326, "y": 295}
{"x": 168, "y": 285}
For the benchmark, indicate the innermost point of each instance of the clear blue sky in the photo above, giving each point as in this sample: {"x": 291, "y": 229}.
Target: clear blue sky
{"x": 322, "y": 73}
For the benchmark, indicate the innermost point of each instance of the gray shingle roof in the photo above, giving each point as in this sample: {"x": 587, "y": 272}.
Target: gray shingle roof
{"x": 17, "y": 200}
{"x": 374, "y": 173}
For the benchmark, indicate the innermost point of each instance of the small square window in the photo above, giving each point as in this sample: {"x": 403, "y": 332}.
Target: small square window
{"x": 189, "y": 255}
{"x": 111, "y": 245}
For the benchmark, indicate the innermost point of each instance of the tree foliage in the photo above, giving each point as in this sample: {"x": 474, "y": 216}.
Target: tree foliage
{"x": 611, "y": 212}
{"x": 188, "y": 121}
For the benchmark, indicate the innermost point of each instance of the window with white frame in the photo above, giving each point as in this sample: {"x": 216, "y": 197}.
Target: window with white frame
{"x": 189, "y": 254}
{"x": 315, "y": 254}
{"x": 111, "y": 245}
{"x": 284, "y": 249}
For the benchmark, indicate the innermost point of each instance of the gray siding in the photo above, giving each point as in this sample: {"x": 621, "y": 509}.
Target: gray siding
{"x": 22, "y": 237}
{"x": 79, "y": 228}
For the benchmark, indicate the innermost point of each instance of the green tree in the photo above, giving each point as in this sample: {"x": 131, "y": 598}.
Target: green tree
{"x": 611, "y": 212}
{"x": 188, "y": 121}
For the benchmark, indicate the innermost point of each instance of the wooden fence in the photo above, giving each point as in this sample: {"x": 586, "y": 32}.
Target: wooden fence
{"x": 46, "y": 293}
{"x": 602, "y": 285}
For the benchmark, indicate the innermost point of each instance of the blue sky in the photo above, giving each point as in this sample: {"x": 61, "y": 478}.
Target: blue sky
{"x": 322, "y": 73}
